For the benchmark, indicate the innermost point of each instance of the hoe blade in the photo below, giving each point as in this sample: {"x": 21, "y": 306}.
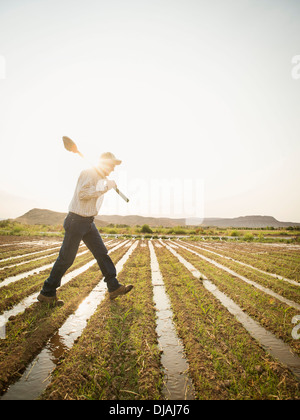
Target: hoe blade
{"x": 69, "y": 144}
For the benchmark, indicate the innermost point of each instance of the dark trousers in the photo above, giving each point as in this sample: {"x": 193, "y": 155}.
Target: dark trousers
{"x": 79, "y": 228}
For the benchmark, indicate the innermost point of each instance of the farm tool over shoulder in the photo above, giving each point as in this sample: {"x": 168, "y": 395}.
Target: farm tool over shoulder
{"x": 71, "y": 146}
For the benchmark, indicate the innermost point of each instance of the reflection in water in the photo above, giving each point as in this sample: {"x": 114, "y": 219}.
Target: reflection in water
{"x": 38, "y": 374}
{"x": 178, "y": 385}
{"x": 276, "y": 347}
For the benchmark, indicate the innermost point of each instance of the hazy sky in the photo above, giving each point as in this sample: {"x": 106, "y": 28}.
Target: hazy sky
{"x": 199, "y": 98}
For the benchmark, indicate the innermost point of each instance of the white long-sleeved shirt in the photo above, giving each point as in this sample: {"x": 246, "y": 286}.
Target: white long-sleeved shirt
{"x": 88, "y": 194}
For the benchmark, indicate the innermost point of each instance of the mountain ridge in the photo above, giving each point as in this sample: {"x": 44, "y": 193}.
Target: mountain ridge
{"x": 50, "y": 217}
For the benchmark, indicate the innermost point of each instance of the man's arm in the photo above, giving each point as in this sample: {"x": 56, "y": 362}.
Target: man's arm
{"x": 88, "y": 190}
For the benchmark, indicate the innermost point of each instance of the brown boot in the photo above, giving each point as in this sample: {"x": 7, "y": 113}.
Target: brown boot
{"x": 50, "y": 299}
{"x": 122, "y": 290}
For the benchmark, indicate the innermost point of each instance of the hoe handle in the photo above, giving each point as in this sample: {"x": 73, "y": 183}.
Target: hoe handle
{"x": 70, "y": 145}
{"x": 121, "y": 194}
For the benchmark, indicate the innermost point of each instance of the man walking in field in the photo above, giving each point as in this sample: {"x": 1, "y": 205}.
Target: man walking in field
{"x": 79, "y": 225}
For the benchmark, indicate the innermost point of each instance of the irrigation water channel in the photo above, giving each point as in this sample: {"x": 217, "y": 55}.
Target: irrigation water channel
{"x": 277, "y": 276}
{"x": 29, "y": 300}
{"x": 28, "y": 255}
{"x": 177, "y": 384}
{"x": 38, "y": 374}
{"x": 273, "y": 345}
{"x": 36, "y": 270}
{"x": 251, "y": 282}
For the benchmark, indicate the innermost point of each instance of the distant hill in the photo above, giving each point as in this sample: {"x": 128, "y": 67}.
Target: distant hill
{"x": 41, "y": 217}
{"x": 134, "y": 220}
{"x": 49, "y": 217}
{"x": 248, "y": 221}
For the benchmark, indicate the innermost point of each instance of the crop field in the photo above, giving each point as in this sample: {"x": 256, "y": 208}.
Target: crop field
{"x": 205, "y": 320}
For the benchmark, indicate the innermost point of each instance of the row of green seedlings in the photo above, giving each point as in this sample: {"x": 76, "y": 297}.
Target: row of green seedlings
{"x": 22, "y": 265}
{"x": 272, "y": 314}
{"x": 18, "y": 253}
{"x": 282, "y": 287}
{"x": 283, "y": 262}
{"x": 225, "y": 361}
{"x": 117, "y": 355}
{"x": 15, "y": 292}
{"x": 28, "y": 332}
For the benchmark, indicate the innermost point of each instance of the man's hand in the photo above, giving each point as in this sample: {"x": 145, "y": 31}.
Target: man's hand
{"x": 110, "y": 184}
